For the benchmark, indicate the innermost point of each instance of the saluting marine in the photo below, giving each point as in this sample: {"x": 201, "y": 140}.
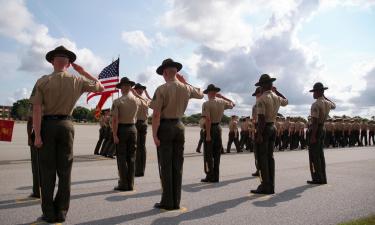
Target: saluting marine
{"x": 267, "y": 107}
{"x": 54, "y": 97}
{"x": 169, "y": 104}
{"x": 319, "y": 113}
{"x": 213, "y": 110}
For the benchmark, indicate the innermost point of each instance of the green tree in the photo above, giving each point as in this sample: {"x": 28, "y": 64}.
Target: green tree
{"x": 225, "y": 119}
{"x": 81, "y": 113}
{"x": 20, "y": 109}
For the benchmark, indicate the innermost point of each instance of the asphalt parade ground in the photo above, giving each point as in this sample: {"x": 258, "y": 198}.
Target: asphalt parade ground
{"x": 348, "y": 195}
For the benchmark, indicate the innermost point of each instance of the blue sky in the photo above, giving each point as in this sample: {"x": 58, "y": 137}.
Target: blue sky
{"x": 229, "y": 43}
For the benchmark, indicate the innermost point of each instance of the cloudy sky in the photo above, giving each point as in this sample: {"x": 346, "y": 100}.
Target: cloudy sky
{"x": 225, "y": 42}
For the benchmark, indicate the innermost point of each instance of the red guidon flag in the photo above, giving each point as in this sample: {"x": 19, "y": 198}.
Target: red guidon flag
{"x": 6, "y": 130}
{"x": 109, "y": 77}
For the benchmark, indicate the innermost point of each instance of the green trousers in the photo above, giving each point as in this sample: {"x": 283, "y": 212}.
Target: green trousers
{"x": 316, "y": 157}
{"x": 264, "y": 155}
{"x": 100, "y": 141}
{"x": 171, "y": 134}
{"x": 56, "y": 157}
{"x": 141, "y": 152}
{"x": 212, "y": 154}
{"x": 34, "y": 170}
{"x": 125, "y": 152}
{"x": 233, "y": 138}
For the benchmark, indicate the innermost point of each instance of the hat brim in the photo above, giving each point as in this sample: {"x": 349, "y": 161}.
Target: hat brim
{"x": 319, "y": 89}
{"x": 161, "y": 68}
{"x": 51, "y": 54}
{"x": 213, "y": 89}
{"x": 265, "y": 82}
{"x": 131, "y": 83}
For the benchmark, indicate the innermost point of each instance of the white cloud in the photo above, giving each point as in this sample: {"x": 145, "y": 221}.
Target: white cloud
{"x": 18, "y": 23}
{"x": 275, "y": 49}
{"x": 137, "y": 39}
{"x": 214, "y": 23}
{"x": 20, "y": 93}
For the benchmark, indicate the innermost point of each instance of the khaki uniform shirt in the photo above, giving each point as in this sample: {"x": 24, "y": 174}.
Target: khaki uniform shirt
{"x": 214, "y": 109}
{"x": 233, "y": 126}
{"x": 142, "y": 113}
{"x": 286, "y": 125}
{"x": 328, "y": 126}
{"x": 244, "y": 126}
{"x": 268, "y": 105}
{"x": 346, "y": 126}
{"x": 356, "y": 126}
{"x": 254, "y": 114}
{"x": 301, "y": 126}
{"x": 292, "y": 127}
{"x": 171, "y": 99}
{"x": 320, "y": 109}
{"x": 338, "y": 126}
{"x": 364, "y": 126}
{"x": 202, "y": 123}
{"x": 371, "y": 127}
{"x": 126, "y": 108}
{"x": 279, "y": 127}
{"x": 59, "y": 92}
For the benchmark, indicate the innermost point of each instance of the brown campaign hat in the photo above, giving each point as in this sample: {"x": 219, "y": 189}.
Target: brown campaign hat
{"x": 265, "y": 78}
{"x": 211, "y": 87}
{"x": 139, "y": 86}
{"x": 61, "y": 50}
{"x": 318, "y": 86}
{"x": 124, "y": 81}
{"x": 168, "y": 63}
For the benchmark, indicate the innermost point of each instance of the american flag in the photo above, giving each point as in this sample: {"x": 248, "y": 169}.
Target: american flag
{"x": 109, "y": 77}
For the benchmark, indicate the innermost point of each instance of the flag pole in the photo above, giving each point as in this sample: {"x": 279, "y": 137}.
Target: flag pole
{"x": 118, "y": 95}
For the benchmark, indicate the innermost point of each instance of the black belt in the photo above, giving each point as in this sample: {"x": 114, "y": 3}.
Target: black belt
{"x": 141, "y": 121}
{"x": 170, "y": 120}
{"x": 215, "y": 124}
{"x": 57, "y": 117}
{"x": 125, "y": 124}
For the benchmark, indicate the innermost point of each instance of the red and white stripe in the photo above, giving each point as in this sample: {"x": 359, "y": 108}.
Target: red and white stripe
{"x": 109, "y": 87}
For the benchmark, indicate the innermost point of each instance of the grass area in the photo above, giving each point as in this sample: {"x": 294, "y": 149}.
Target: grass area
{"x": 364, "y": 221}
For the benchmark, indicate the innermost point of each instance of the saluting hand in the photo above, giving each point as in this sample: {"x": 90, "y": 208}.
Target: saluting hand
{"x": 181, "y": 78}
{"x": 219, "y": 95}
{"x": 78, "y": 68}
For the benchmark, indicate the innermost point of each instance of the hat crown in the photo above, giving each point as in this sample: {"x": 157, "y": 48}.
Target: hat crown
{"x": 124, "y": 79}
{"x": 211, "y": 86}
{"x": 318, "y": 85}
{"x": 61, "y": 47}
{"x": 167, "y": 61}
{"x": 264, "y": 77}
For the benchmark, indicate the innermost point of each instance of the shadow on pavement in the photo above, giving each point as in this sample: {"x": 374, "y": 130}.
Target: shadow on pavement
{"x": 203, "y": 212}
{"x": 73, "y": 183}
{"x": 195, "y": 187}
{"x": 77, "y": 158}
{"x": 284, "y": 196}
{"x": 11, "y": 204}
